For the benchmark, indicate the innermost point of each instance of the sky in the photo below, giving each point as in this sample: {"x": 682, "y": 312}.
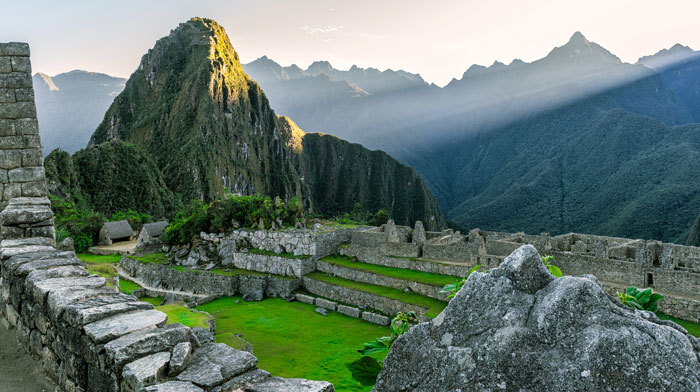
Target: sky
{"x": 439, "y": 39}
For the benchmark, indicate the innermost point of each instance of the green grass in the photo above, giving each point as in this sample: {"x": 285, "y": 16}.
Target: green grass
{"x": 178, "y": 313}
{"x": 127, "y": 286}
{"x": 286, "y": 255}
{"x": 434, "y": 306}
{"x": 152, "y": 258}
{"x": 155, "y": 301}
{"x": 691, "y": 327}
{"x": 91, "y": 258}
{"x": 291, "y": 340}
{"x": 398, "y": 273}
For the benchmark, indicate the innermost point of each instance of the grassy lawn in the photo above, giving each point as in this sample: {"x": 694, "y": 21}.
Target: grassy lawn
{"x": 691, "y": 327}
{"x": 398, "y": 273}
{"x": 291, "y": 340}
{"x": 152, "y": 258}
{"x": 90, "y": 258}
{"x": 434, "y": 306}
{"x": 286, "y": 255}
{"x": 178, "y": 313}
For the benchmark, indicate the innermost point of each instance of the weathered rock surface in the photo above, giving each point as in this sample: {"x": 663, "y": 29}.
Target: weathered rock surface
{"x": 174, "y": 386}
{"x": 215, "y": 363}
{"x": 276, "y": 384}
{"x": 122, "y": 324}
{"x": 145, "y": 371}
{"x": 518, "y": 328}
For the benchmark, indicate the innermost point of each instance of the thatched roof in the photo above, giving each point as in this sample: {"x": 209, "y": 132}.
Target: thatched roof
{"x": 155, "y": 229}
{"x": 118, "y": 229}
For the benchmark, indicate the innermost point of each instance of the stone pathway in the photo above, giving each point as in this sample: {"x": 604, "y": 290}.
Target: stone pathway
{"x": 115, "y": 249}
{"x": 19, "y": 372}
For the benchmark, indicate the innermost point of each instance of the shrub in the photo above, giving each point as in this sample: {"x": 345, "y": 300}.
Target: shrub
{"x": 71, "y": 220}
{"x": 232, "y": 212}
{"x": 381, "y": 217}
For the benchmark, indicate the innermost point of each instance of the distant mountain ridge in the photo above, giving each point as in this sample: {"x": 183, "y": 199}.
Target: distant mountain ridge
{"x": 71, "y": 104}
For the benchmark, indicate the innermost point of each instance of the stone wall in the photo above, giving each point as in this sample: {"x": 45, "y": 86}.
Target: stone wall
{"x": 166, "y": 277}
{"x": 388, "y": 306}
{"x": 21, "y": 162}
{"x": 673, "y": 270}
{"x": 381, "y": 280}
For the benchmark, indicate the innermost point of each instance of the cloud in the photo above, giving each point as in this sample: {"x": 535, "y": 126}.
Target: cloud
{"x": 321, "y": 30}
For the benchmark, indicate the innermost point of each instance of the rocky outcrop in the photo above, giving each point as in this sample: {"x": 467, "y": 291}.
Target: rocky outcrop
{"x": 518, "y": 328}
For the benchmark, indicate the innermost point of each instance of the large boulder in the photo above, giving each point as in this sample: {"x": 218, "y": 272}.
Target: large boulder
{"x": 518, "y": 328}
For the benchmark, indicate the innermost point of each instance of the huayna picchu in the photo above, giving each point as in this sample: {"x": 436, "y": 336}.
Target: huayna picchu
{"x": 199, "y": 127}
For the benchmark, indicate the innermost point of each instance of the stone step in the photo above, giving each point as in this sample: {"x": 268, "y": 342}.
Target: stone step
{"x": 386, "y": 300}
{"x": 442, "y": 267}
{"x": 386, "y": 276}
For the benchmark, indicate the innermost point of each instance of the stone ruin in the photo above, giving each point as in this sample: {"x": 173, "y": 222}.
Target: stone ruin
{"x": 673, "y": 270}
{"x": 518, "y": 328}
{"x": 87, "y": 336}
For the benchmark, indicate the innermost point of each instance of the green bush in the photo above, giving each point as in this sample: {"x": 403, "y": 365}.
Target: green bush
{"x": 71, "y": 220}
{"x": 381, "y": 217}
{"x": 230, "y": 213}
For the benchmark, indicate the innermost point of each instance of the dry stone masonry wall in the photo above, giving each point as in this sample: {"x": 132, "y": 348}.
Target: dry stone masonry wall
{"x": 673, "y": 270}
{"x": 21, "y": 162}
{"x": 87, "y": 336}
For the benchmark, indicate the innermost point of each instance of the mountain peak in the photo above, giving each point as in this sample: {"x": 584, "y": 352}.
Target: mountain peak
{"x": 669, "y": 57}
{"x": 583, "y": 52}
{"x": 577, "y": 38}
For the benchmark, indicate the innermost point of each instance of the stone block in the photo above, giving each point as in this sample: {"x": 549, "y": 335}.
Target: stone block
{"x": 174, "y": 386}
{"x": 122, "y": 324}
{"x": 7, "y": 95}
{"x": 307, "y": 299}
{"x": 326, "y": 304}
{"x": 10, "y": 191}
{"x": 3, "y": 176}
{"x": 17, "y": 110}
{"x": 32, "y": 141}
{"x": 10, "y": 159}
{"x": 136, "y": 344}
{"x": 101, "y": 306}
{"x": 7, "y": 128}
{"x": 375, "y": 318}
{"x": 15, "y": 80}
{"x": 12, "y": 142}
{"x": 215, "y": 363}
{"x": 27, "y": 126}
{"x": 14, "y": 49}
{"x": 5, "y": 64}
{"x": 34, "y": 189}
{"x": 26, "y": 174}
{"x": 145, "y": 371}
{"x": 40, "y": 290}
{"x": 349, "y": 311}
{"x": 239, "y": 383}
{"x": 21, "y": 64}
{"x": 24, "y": 95}
{"x": 180, "y": 358}
{"x": 276, "y": 384}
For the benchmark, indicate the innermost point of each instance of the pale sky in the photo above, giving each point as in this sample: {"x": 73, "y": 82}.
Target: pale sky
{"x": 438, "y": 39}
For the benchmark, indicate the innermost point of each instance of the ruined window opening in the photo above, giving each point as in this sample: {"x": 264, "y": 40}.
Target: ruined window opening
{"x": 650, "y": 279}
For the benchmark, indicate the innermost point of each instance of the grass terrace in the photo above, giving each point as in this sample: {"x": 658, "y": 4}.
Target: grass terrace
{"x": 291, "y": 340}
{"x": 434, "y": 306}
{"x": 691, "y": 327}
{"x": 398, "y": 273}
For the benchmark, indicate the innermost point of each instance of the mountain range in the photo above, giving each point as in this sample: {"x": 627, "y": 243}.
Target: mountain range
{"x": 190, "y": 124}
{"x": 575, "y": 141}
